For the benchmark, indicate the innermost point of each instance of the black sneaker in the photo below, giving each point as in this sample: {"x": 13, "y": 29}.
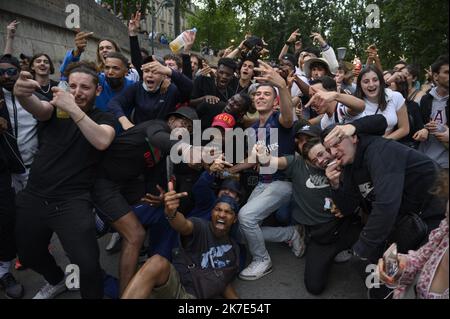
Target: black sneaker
{"x": 12, "y": 288}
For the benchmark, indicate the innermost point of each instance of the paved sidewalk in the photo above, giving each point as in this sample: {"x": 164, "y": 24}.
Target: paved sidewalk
{"x": 285, "y": 282}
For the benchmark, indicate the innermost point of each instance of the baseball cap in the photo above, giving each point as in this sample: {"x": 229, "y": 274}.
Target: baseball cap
{"x": 224, "y": 120}
{"x": 8, "y": 58}
{"x": 186, "y": 112}
{"x": 310, "y": 130}
{"x": 290, "y": 58}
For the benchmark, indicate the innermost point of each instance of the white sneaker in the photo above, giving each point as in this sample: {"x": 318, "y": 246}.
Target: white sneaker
{"x": 256, "y": 270}
{"x": 50, "y": 292}
{"x": 343, "y": 256}
{"x": 298, "y": 241}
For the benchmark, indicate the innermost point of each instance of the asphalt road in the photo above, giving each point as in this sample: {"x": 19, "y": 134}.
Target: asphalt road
{"x": 285, "y": 282}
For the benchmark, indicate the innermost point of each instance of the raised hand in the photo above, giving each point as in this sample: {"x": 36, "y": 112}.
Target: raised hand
{"x": 207, "y": 70}
{"x": 290, "y": 79}
{"x": 81, "y": 40}
{"x": 63, "y": 100}
{"x": 211, "y": 99}
{"x": 157, "y": 68}
{"x": 154, "y": 200}
{"x": 260, "y": 152}
{"x": 25, "y": 85}
{"x": 172, "y": 200}
{"x": 134, "y": 24}
{"x": 333, "y": 173}
{"x": 220, "y": 164}
{"x": 228, "y": 50}
{"x": 372, "y": 52}
{"x": 269, "y": 75}
{"x": 317, "y": 37}
{"x": 11, "y": 29}
{"x": 189, "y": 39}
{"x": 338, "y": 133}
{"x": 293, "y": 37}
{"x": 320, "y": 98}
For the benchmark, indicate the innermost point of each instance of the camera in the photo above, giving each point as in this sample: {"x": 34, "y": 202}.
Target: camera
{"x": 254, "y": 46}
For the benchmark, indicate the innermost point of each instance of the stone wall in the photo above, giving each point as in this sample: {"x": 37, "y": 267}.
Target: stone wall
{"x": 42, "y": 28}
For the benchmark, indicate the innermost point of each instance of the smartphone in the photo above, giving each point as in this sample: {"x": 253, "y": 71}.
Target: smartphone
{"x": 390, "y": 258}
{"x": 440, "y": 128}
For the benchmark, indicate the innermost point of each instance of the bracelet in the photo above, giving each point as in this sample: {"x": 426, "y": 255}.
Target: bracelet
{"x": 173, "y": 216}
{"x": 81, "y": 118}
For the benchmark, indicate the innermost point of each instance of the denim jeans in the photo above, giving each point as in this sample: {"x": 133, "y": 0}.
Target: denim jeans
{"x": 264, "y": 200}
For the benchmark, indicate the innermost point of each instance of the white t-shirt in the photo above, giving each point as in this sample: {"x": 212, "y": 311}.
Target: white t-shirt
{"x": 24, "y": 128}
{"x": 340, "y": 116}
{"x": 394, "y": 102}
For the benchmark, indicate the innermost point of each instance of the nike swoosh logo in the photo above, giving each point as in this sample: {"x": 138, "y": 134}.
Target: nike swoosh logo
{"x": 310, "y": 184}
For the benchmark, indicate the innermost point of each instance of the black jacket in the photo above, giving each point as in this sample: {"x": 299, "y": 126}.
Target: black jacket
{"x": 389, "y": 179}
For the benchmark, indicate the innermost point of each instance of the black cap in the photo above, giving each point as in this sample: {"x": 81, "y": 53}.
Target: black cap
{"x": 232, "y": 185}
{"x": 290, "y": 58}
{"x": 8, "y": 58}
{"x": 23, "y": 56}
{"x": 186, "y": 112}
{"x": 310, "y": 130}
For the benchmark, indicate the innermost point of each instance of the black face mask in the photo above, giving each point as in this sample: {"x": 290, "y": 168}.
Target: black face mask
{"x": 115, "y": 83}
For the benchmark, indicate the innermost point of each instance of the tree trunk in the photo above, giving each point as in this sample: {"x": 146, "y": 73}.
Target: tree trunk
{"x": 176, "y": 17}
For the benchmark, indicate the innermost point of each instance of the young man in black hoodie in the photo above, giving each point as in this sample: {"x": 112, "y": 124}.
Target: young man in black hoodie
{"x": 389, "y": 181}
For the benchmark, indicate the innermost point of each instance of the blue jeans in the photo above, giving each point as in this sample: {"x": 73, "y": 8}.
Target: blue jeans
{"x": 264, "y": 200}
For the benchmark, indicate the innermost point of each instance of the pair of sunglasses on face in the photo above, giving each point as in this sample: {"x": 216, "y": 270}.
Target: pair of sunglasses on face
{"x": 8, "y": 72}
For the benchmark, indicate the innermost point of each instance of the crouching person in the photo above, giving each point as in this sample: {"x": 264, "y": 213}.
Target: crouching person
{"x": 206, "y": 251}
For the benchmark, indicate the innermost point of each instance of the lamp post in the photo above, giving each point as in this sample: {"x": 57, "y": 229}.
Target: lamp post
{"x": 341, "y": 53}
{"x": 155, "y": 13}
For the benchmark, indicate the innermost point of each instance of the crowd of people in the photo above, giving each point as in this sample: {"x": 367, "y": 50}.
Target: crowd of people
{"x": 338, "y": 163}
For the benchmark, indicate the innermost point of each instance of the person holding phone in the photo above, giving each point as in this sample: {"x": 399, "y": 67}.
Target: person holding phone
{"x": 424, "y": 271}
{"x": 434, "y": 109}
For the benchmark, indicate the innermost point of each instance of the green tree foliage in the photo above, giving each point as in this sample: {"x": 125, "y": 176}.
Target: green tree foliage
{"x": 417, "y": 30}
{"x": 217, "y": 24}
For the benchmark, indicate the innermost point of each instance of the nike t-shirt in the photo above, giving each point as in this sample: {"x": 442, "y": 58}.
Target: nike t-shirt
{"x": 310, "y": 188}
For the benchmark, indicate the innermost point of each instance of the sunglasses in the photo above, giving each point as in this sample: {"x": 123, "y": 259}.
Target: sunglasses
{"x": 8, "y": 72}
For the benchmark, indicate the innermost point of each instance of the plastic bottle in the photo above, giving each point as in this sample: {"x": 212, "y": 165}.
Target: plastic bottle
{"x": 177, "y": 44}
{"x": 60, "y": 113}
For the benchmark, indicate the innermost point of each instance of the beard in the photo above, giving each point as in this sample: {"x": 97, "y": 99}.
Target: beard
{"x": 8, "y": 85}
{"x": 89, "y": 105}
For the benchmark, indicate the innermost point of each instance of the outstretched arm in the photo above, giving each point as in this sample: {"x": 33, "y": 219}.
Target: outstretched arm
{"x": 10, "y": 35}
{"x": 24, "y": 89}
{"x": 269, "y": 75}
{"x": 176, "y": 220}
